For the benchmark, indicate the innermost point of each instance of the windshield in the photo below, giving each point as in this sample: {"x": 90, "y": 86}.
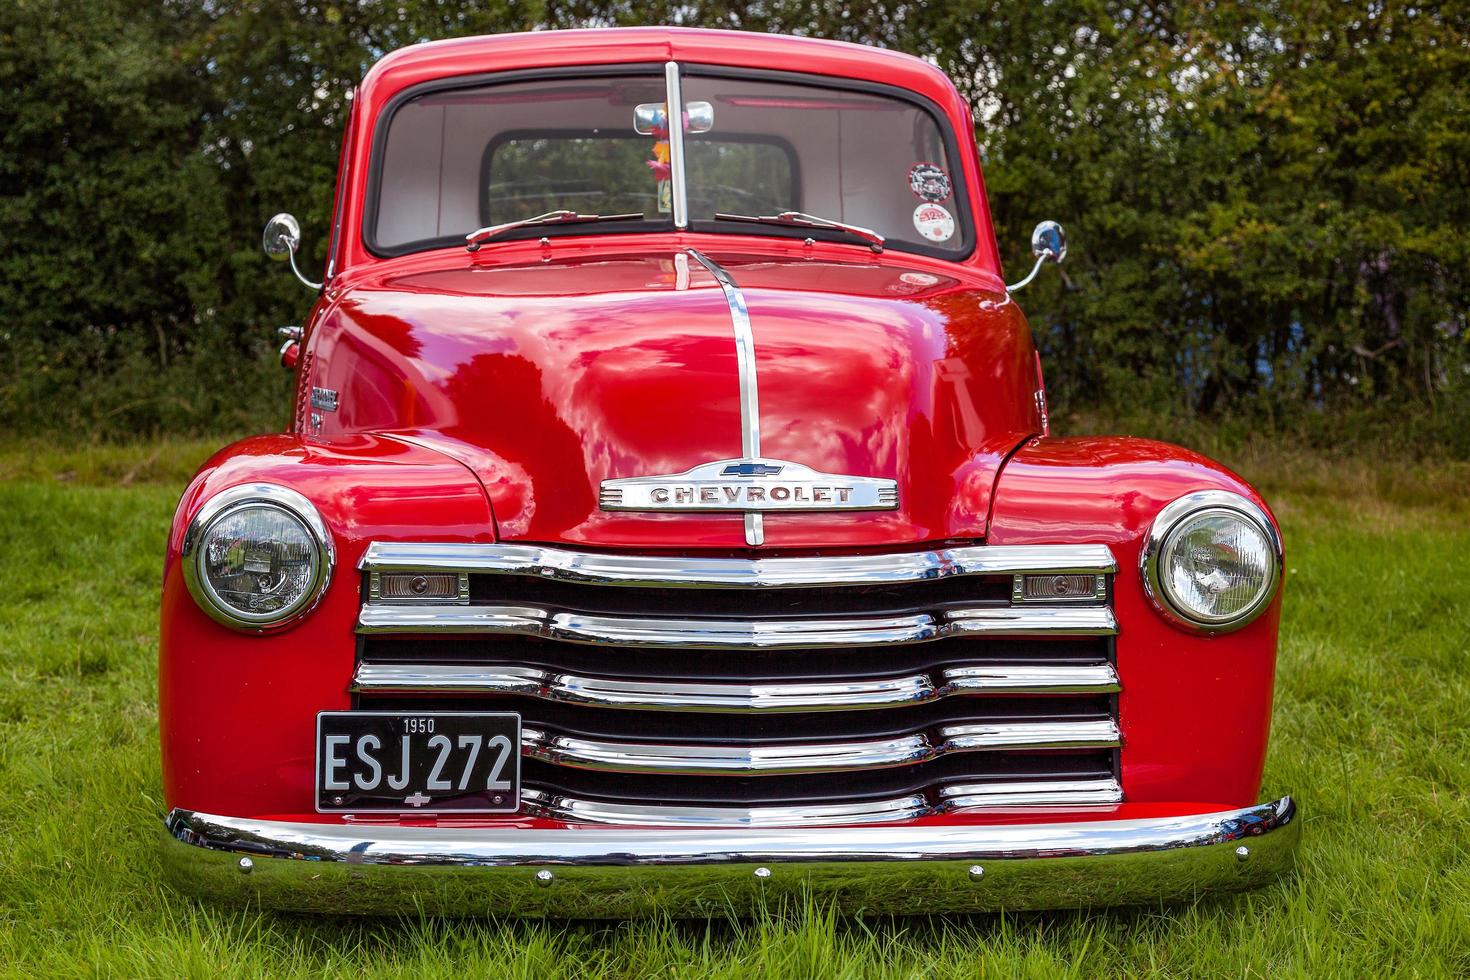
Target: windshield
{"x": 458, "y": 160}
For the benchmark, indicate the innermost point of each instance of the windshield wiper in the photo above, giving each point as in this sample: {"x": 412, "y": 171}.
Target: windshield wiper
{"x": 477, "y": 238}
{"x": 797, "y": 219}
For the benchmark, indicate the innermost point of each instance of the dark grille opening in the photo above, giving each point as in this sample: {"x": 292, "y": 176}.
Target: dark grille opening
{"x": 694, "y": 727}
{"x": 864, "y": 600}
{"x": 662, "y": 664}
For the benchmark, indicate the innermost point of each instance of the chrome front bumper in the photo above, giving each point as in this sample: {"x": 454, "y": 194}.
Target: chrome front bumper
{"x": 617, "y": 873}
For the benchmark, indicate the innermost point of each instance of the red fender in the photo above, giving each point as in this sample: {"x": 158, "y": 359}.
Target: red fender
{"x": 1195, "y": 710}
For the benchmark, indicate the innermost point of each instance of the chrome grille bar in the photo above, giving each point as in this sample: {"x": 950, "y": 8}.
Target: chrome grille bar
{"x": 964, "y": 796}
{"x": 771, "y": 759}
{"x": 669, "y": 571}
{"x": 735, "y": 634}
{"x": 557, "y": 807}
{"x": 660, "y": 695}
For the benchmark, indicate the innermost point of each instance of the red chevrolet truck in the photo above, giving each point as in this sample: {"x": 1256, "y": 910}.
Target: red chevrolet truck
{"x": 670, "y": 521}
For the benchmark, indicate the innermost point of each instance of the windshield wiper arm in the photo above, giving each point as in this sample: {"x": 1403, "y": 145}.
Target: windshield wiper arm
{"x": 798, "y": 219}
{"x": 563, "y": 217}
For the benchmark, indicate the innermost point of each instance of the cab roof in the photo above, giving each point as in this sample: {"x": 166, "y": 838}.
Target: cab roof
{"x": 633, "y": 45}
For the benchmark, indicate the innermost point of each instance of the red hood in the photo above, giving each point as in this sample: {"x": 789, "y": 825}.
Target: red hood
{"x": 548, "y": 378}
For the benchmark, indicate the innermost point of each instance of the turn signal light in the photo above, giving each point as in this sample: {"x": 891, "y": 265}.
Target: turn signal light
{"x": 1044, "y": 588}
{"x": 425, "y": 586}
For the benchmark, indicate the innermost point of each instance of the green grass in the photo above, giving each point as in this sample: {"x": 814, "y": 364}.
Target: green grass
{"x": 1372, "y": 734}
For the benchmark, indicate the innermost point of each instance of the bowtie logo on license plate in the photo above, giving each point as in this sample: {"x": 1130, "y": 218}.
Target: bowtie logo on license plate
{"x": 417, "y": 799}
{"x": 749, "y": 486}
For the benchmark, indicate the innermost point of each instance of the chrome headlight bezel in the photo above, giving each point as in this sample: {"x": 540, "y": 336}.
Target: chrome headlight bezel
{"x": 1174, "y": 516}
{"x": 231, "y": 501}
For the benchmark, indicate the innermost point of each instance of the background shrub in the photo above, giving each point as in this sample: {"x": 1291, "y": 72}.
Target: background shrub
{"x": 1265, "y": 200}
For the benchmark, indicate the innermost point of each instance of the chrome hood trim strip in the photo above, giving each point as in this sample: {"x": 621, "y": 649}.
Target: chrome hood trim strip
{"x": 772, "y": 697}
{"x": 753, "y": 760}
{"x": 734, "y": 634}
{"x": 672, "y": 571}
{"x": 750, "y": 411}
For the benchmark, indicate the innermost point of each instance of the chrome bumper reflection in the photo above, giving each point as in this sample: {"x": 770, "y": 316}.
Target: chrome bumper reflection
{"x": 620, "y": 872}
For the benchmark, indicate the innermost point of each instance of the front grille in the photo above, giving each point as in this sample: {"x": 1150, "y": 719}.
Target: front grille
{"x": 762, "y": 691}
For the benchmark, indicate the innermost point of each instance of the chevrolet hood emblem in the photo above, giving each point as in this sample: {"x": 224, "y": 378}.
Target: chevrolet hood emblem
{"x": 749, "y": 486}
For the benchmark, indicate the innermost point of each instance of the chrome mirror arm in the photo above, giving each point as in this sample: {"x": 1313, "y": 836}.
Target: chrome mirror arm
{"x": 315, "y": 287}
{"x": 1040, "y": 261}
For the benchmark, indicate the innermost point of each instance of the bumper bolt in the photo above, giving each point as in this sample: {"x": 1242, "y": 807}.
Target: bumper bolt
{"x": 762, "y": 873}
{"x": 246, "y": 865}
{"x": 1242, "y": 853}
{"x": 976, "y": 872}
{"x": 544, "y": 878}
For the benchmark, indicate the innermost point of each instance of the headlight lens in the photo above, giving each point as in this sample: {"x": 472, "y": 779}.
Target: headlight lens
{"x": 257, "y": 556}
{"x": 1212, "y": 561}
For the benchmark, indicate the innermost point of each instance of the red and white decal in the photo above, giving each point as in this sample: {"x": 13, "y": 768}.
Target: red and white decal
{"x": 933, "y": 222}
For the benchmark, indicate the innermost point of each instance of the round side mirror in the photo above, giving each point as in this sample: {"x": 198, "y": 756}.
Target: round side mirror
{"x": 283, "y": 236}
{"x": 1049, "y": 241}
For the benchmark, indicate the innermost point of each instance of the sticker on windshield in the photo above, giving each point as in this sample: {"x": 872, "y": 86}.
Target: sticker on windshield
{"x": 933, "y": 222}
{"x": 929, "y": 182}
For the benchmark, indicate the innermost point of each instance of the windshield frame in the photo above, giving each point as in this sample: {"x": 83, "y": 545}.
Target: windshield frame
{"x": 963, "y": 213}
{"x": 964, "y": 216}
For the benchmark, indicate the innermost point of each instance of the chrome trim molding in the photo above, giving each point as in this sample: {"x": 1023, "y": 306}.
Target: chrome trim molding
{"x": 221, "y": 505}
{"x": 750, "y": 411}
{"x": 665, "y": 571}
{"x": 774, "y": 696}
{"x": 617, "y": 872}
{"x": 578, "y": 752}
{"x": 1174, "y": 514}
{"x": 733, "y": 634}
{"x": 553, "y": 806}
{"x": 1058, "y": 792}
{"x": 678, "y": 179}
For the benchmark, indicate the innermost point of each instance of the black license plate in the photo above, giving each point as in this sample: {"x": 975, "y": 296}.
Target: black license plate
{"x": 395, "y": 761}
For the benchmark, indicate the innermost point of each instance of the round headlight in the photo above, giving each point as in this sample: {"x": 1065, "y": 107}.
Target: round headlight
{"x": 257, "y": 556}
{"x": 1212, "y": 561}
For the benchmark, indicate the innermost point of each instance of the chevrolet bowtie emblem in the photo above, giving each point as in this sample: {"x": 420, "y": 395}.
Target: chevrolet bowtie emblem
{"x": 749, "y": 485}
{"x": 750, "y": 469}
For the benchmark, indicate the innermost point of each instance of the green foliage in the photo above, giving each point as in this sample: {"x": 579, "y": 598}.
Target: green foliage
{"x": 1265, "y": 201}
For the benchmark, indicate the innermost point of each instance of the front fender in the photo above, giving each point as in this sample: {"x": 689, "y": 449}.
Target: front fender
{"x": 230, "y": 702}
{"x": 1195, "y": 710}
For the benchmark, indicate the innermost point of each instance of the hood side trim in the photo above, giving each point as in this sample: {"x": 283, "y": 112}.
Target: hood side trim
{"x": 750, "y": 414}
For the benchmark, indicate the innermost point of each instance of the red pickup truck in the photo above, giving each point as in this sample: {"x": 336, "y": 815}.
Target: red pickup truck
{"x": 670, "y": 520}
